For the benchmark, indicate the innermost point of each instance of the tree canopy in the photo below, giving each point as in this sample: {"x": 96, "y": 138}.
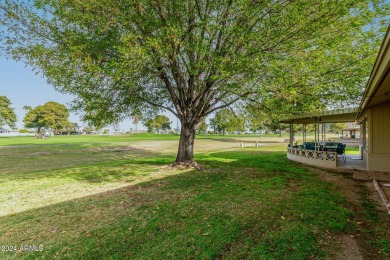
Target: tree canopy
{"x": 202, "y": 127}
{"x": 226, "y": 120}
{"x": 160, "y": 122}
{"x": 336, "y": 127}
{"x": 7, "y": 113}
{"x": 195, "y": 57}
{"x": 51, "y": 115}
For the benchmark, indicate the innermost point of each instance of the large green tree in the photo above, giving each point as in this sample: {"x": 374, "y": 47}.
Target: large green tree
{"x": 51, "y": 115}
{"x": 276, "y": 127}
{"x": 227, "y": 120}
{"x": 160, "y": 122}
{"x": 197, "y": 56}
{"x": 336, "y": 127}
{"x": 7, "y": 113}
{"x": 222, "y": 120}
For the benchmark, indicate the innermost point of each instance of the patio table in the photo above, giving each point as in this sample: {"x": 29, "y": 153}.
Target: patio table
{"x": 331, "y": 148}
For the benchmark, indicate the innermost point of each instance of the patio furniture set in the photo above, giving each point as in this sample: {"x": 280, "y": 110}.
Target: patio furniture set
{"x": 339, "y": 148}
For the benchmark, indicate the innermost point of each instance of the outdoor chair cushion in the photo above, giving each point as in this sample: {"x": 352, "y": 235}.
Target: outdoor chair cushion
{"x": 340, "y": 148}
{"x": 308, "y": 145}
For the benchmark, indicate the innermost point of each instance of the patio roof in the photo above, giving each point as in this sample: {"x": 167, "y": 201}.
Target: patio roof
{"x": 378, "y": 86}
{"x": 332, "y": 116}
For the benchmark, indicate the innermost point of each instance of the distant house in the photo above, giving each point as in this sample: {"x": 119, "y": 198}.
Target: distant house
{"x": 373, "y": 115}
{"x": 351, "y": 133}
{"x": 4, "y": 131}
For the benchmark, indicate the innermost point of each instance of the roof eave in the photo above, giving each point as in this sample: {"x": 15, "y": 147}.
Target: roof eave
{"x": 377, "y": 74}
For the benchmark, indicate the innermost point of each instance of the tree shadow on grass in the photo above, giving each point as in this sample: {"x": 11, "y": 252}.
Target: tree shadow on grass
{"x": 271, "y": 162}
{"x": 102, "y": 164}
{"x": 241, "y": 140}
{"x": 229, "y": 213}
{"x": 140, "y": 165}
{"x": 80, "y": 162}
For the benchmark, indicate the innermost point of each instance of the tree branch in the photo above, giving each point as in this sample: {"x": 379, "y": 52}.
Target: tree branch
{"x": 158, "y": 105}
{"x": 224, "y": 105}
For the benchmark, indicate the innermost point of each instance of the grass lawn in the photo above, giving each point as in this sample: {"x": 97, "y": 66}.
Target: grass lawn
{"x": 93, "y": 197}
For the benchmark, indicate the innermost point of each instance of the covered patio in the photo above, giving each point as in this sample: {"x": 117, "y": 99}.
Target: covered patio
{"x": 373, "y": 115}
{"x": 316, "y": 152}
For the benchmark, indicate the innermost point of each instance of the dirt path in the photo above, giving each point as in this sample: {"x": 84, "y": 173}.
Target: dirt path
{"x": 349, "y": 248}
{"x": 353, "y": 244}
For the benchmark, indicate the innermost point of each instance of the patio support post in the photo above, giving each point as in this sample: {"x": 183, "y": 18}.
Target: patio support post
{"x": 318, "y": 136}
{"x": 362, "y": 139}
{"x": 291, "y": 135}
{"x": 315, "y": 130}
{"x": 304, "y": 133}
{"x": 323, "y": 132}
{"x": 324, "y": 139}
{"x": 319, "y": 131}
{"x": 315, "y": 133}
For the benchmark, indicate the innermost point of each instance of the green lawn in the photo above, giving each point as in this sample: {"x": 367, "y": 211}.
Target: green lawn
{"x": 77, "y": 139}
{"x": 99, "y": 197}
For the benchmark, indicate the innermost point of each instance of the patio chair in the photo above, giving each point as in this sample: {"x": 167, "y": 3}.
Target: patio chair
{"x": 341, "y": 150}
{"x": 317, "y": 145}
{"x": 308, "y": 145}
{"x": 328, "y": 144}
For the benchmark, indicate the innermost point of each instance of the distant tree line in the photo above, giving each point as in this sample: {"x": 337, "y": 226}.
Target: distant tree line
{"x": 7, "y": 113}
{"x": 54, "y": 117}
{"x": 157, "y": 124}
{"x": 50, "y": 116}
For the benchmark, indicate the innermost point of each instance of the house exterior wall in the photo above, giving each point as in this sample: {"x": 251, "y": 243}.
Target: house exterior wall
{"x": 381, "y": 129}
{"x": 357, "y": 133}
{"x": 378, "y": 150}
{"x": 379, "y": 162}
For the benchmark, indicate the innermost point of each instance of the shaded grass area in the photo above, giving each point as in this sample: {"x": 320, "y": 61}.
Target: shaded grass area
{"x": 32, "y": 176}
{"x": 116, "y": 201}
{"x": 374, "y": 226}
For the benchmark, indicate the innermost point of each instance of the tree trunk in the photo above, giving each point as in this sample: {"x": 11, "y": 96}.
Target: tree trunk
{"x": 185, "y": 152}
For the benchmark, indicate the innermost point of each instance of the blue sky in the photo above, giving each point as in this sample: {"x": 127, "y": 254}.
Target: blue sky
{"x": 23, "y": 87}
